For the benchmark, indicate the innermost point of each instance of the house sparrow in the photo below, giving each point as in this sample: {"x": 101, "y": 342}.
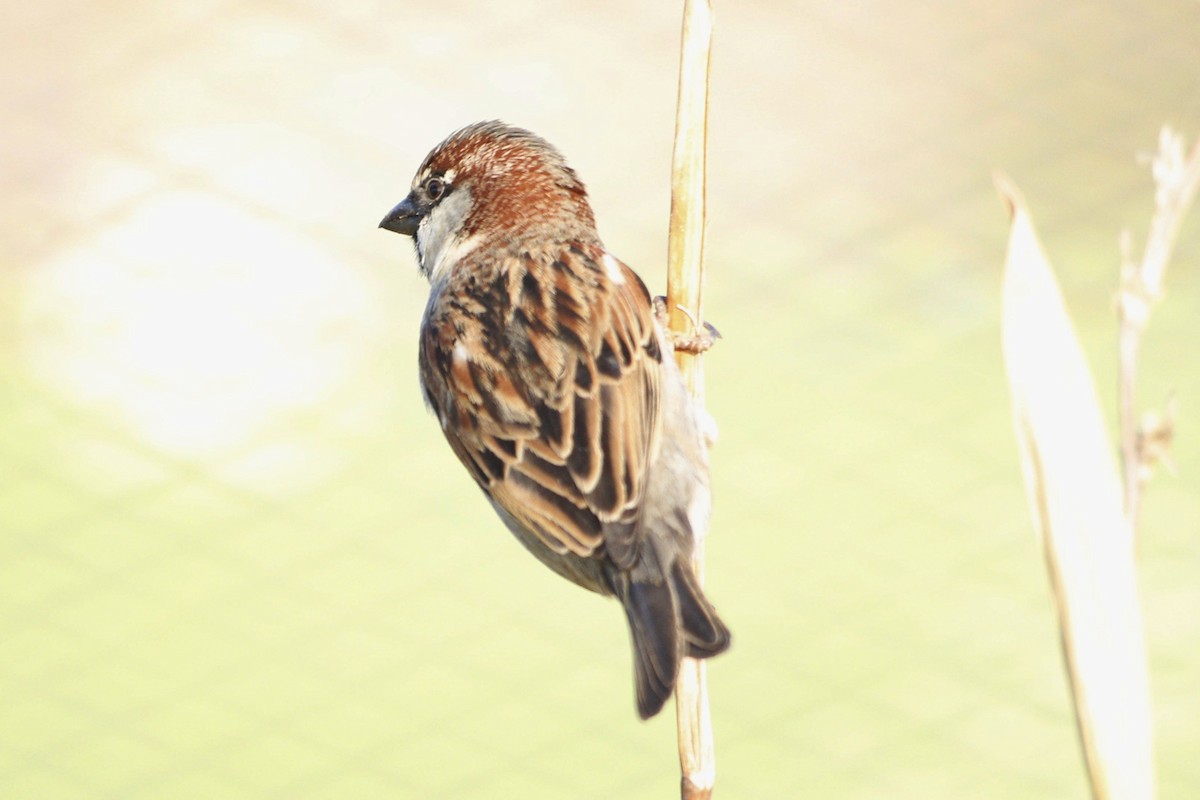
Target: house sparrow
{"x": 553, "y": 380}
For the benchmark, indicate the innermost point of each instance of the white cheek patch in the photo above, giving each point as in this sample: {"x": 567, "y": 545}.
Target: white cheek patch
{"x": 439, "y": 240}
{"x": 613, "y": 269}
{"x": 420, "y": 239}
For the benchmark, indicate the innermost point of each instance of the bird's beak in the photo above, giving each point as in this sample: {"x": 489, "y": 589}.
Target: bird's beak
{"x": 404, "y": 218}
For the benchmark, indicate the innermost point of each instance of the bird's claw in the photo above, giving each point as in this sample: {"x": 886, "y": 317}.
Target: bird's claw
{"x": 702, "y": 337}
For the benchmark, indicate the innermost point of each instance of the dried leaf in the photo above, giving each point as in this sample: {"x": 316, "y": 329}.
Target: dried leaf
{"x": 1076, "y": 502}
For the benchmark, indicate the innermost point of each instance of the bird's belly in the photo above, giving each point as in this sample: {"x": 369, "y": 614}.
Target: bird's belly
{"x": 586, "y": 571}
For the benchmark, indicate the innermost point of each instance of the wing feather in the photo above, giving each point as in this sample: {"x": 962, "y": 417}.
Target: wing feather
{"x": 545, "y": 374}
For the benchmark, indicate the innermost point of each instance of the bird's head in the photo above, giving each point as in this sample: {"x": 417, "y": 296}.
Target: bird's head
{"x": 490, "y": 183}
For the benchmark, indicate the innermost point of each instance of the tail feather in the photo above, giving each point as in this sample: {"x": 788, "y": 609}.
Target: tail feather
{"x": 667, "y": 619}
{"x": 651, "y": 612}
{"x": 704, "y": 634}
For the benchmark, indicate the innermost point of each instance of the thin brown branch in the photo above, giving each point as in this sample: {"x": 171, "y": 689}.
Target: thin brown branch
{"x": 1176, "y": 181}
{"x": 685, "y": 282}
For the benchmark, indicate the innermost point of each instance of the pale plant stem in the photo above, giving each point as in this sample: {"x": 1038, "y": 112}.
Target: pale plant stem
{"x": 685, "y": 282}
{"x": 1176, "y": 181}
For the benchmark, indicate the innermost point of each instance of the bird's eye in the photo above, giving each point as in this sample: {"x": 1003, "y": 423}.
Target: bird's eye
{"x": 435, "y": 188}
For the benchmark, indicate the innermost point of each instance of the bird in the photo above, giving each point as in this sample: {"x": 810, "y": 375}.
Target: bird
{"x": 550, "y": 369}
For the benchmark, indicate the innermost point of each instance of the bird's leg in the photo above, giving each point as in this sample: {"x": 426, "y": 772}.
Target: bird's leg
{"x": 700, "y": 339}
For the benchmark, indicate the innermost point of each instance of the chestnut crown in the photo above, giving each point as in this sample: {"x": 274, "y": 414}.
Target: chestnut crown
{"x": 493, "y": 178}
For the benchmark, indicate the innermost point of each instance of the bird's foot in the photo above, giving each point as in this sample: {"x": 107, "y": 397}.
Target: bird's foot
{"x": 702, "y": 337}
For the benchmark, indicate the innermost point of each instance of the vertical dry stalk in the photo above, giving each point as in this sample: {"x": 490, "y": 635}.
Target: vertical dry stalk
{"x": 1176, "y": 180}
{"x": 685, "y": 282}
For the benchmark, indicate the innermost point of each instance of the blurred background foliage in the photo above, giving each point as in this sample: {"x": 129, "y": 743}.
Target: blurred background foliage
{"x": 237, "y": 559}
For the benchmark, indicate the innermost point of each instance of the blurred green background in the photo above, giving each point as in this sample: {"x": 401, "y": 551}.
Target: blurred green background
{"x": 237, "y": 559}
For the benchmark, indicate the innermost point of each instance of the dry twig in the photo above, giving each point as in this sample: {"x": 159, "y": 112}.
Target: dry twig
{"x": 1176, "y": 180}
{"x": 685, "y": 281}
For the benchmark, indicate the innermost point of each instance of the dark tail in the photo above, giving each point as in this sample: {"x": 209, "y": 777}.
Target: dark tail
{"x": 667, "y": 619}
